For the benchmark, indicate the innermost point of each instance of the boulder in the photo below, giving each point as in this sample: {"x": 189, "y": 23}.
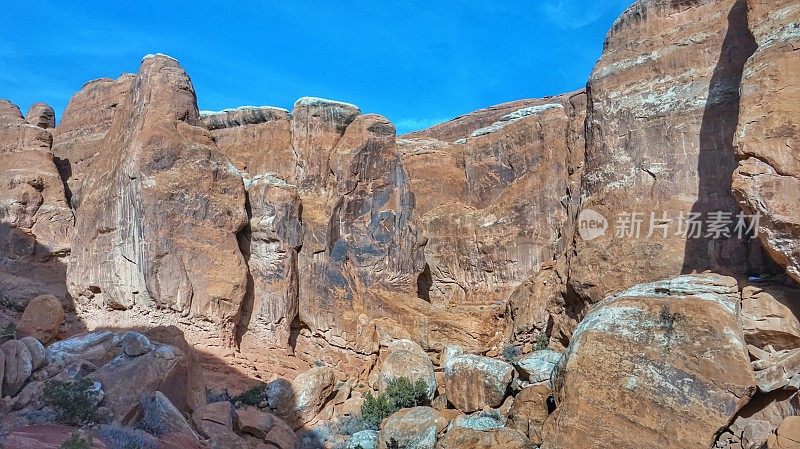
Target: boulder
{"x": 787, "y": 435}
{"x": 664, "y": 365}
{"x": 281, "y": 435}
{"x": 473, "y": 382}
{"x": 769, "y": 316}
{"x": 415, "y": 428}
{"x": 215, "y": 419}
{"x": 463, "y": 438}
{"x": 538, "y": 366}
{"x": 366, "y": 439}
{"x": 125, "y": 379}
{"x": 311, "y": 389}
{"x": 41, "y": 115}
{"x": 159, "y": 411}
{"x": 757, "y": 421}
{"x": 160, "y": 210}
{"x": 18, "y": 366}
{"x": 407, "y": 359}
{"x": 660, "y": 127}
{"x": 45, "y": 436}
{"x": 41, "y": 319}
{"x": 254, "y": 422}
{"x": 483, "y": 421}
{"x": 529, "y": 412}
{"x": 779, "y": 371}
{"x": 96, "y": 347}
{"x": 37, "y": 351}
{"x": 135, "y": 344}
{"x": 767, "y": 179}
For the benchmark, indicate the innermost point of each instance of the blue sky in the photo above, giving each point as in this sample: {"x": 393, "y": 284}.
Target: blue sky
{"x": 416, "y": 62}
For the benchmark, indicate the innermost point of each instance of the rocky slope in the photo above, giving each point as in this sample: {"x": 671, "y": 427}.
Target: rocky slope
{"x": 315, "y": 249}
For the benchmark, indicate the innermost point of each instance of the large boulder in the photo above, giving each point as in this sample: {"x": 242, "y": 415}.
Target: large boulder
{"x": 769, "y": 316}
{"x": 41, "y": 319}
{"x": 125, "y": 379}
{"x": 538, "y": 366}
{"x": 787, "y": 435}
{"x": 300, "y": 400}
{"x": 463, "y": 438}
{"x": 46, "y": 436}
{"x": 412, "y": 428}
{"x": 473, "y": 382}
{"x": 529, "y": 412}
{"x": 37, "y": 351}
{"x": 214, "y": 419}
{"x": 407, "y": 359}
{"x": 768, "y": 132}
{"x": 660, "y": 365}
{"x": 663, "y": 110}
{"x": 18, "y": 366}
{"x": 157, "y": 224}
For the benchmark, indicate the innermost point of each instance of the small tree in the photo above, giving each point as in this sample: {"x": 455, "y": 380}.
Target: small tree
{"x": 74, "y": 402}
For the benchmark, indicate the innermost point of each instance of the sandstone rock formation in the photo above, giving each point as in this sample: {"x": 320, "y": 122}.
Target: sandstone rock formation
{"x": 660, "y": 125}
{"x": 35, "y": 221}
{"x": 160, "y": 212}
{"x": 766, "y": 181}
{"x": 78, "y": 139}
{"x": 659, "y": 365}
{"x": 41, "y": 115}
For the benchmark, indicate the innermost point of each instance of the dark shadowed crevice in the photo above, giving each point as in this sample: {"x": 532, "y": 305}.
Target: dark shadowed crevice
{"x": 716, "y": 161}
{"x": 424, "y": 284}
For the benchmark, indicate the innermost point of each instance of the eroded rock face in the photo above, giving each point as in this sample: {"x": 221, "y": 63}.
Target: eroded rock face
{"x": 78, "y": 139}
{"x": 41, "y": 115}
{"x": 769, "y": 316}
{"x": 768, "y": 133}
{"x": 662, "y": 113}
{"x": 35, "y": 221}
{"x": 271, "y": 249}
{"x": 659, "y": 365}
{"x": 501, "y": 210}
{"x": 161, "y": 211}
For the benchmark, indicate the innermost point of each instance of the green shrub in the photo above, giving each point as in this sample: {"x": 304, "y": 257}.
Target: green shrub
{"x": 400, "y": 393}
{"x": 252, "y": 396}
{"x": 121, "y": 437}
{"x": 404, "y": 394}
{"x": 74, "y": 402}
{"x": 542, "y": 341}
{"x": 76, "y": 441}
{"x": 375, "y": 409}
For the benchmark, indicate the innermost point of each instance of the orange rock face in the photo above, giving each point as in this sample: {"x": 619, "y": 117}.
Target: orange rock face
{"x": 660, "y": 125}
{"x": 35, "y": 220}
{"x": 160, "y": 213}
{"x": 768, "y": 134}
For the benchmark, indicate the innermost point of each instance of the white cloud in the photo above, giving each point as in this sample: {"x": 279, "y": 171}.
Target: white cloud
{"x": 575, "y": 14}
